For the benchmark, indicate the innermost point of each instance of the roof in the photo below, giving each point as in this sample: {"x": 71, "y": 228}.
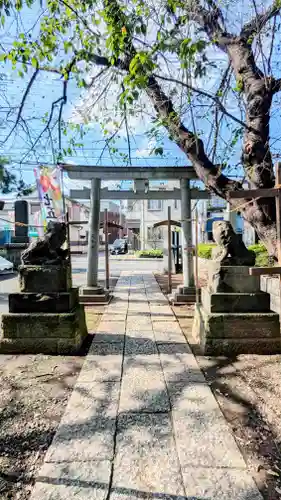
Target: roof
{"x": 165, "y": 223}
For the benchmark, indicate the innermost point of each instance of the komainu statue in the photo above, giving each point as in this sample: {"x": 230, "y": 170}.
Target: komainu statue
{"x": 231, "y": 250}
{"x": 47, "y": 250}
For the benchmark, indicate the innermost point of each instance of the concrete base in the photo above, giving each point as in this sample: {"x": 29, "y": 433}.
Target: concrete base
{"x": 231, "y": 279}
{"x": 235, "y": 302}
{"x": 62, "y": 302}
{"x": 94, "y": 295}
{"x": 230, "y": 334}
{"x": 184, "y": 295}
{"x": 45, "y": 279}
{"x": 48, "y": 333}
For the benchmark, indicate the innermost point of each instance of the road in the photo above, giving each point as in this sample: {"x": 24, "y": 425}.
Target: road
{"x": 9, "y": 283}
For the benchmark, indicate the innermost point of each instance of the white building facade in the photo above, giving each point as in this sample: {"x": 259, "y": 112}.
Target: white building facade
{"x": 141, "y": 215}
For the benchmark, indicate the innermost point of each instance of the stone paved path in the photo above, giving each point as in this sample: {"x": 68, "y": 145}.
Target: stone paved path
{"x": 142, "y": 422}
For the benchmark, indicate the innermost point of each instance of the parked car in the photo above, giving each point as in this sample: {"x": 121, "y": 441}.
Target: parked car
{"x": 119, "y": 247}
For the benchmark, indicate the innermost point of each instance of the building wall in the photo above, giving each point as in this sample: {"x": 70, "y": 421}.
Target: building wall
{"x": 80, "y": 212}
{"x": 143, "y": 214}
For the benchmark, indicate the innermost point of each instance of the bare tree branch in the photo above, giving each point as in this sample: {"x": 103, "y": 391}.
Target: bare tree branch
{"x": 25, "y": 95}
{"x": 127, "y": 129}
{"x": 260, "y": 20}
{"x": 57, "y": 101}
{"x": 107, "y": 141}
{"x": 193, "y": 146}
{"x": 100, "y": 73}
{"x": 212, "y": 22}
{"x": 271, "y": 45}
{"x": 62, "y": 103}
{"x": 208, "y": 95}
{"x": 217, "y": 122}
{"x": 81, "y": 19}
{"x": 276, "y": 86}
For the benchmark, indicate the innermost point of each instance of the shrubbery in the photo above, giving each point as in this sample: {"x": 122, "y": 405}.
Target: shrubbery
{"x": 261, "y": 254}
{"x": 205, "y": 252}
{"x": 154, "y": 254}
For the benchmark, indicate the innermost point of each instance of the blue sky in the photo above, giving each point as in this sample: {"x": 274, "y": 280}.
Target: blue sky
{"x": 48, "y": 87}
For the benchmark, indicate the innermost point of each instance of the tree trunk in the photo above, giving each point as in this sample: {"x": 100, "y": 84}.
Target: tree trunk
{"x": 260, "y": 213}
{"x": 256, "y": 155}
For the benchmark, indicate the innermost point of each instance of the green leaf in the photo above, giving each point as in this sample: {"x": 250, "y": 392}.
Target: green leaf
{"x": 158, "y": 151}
{"x": 34, "y": 62}
{"x": 143, "y": 29}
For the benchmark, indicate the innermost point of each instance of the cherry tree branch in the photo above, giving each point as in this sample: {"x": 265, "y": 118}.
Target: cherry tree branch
{"x": 188, "y": 142}
{"x": 260, "y": 20}
{"x": 25, "y": 95}
{"x": 205, "y": 94}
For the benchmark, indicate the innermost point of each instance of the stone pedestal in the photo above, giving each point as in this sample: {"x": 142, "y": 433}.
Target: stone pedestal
{"x": 234, "y": 316}
{"x": 184, "y": 295}
{"x": 45, "y": 317}
{"x": 43, "y": 279}
{"x": 94, "y": 295}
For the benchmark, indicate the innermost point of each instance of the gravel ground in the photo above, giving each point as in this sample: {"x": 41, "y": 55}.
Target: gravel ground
{"x": 248, "y": 390}
{"x": 34, "y": 390}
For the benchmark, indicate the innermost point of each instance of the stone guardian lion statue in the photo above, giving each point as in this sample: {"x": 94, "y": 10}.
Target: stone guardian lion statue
{"x": 47, "y": 250}
{"x": 231, "y": 250}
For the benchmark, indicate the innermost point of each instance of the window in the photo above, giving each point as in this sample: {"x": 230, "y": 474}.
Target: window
{"x": 35, "y": 207}
{"x": 155, "y": 205}
{"x": 176, "y": 205}
{"x": 216, "y": 201}
{"x": 154, "y": 233}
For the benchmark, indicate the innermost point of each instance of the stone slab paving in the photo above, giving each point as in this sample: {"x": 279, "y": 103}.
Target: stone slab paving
{"x": 142, "y": 423}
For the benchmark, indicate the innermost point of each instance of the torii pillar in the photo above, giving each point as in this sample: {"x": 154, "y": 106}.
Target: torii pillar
{"x": 185, "y": 293}
{"x": 93, "y": 292}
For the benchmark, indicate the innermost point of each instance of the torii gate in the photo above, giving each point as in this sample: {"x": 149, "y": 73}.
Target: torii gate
{"x": 141, "y": 176}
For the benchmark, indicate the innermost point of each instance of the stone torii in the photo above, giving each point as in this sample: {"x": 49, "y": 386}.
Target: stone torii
{"x": 141, "y": 177}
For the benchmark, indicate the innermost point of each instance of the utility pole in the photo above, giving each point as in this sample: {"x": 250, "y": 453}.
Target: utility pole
{"x": 142, "y": 226}
{"x": 106, "y": 249}
{"x": 120, "y": 219}
{"x": 169, "y": 252}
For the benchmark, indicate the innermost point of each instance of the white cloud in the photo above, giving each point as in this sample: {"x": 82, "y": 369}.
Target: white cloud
{"x": 145, "y": 151}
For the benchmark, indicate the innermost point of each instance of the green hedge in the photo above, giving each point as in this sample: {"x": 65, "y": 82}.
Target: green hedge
{"x": 205, "y": 252}
{"x": 261, "y": 254}
{"x": 154, "y": 254}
